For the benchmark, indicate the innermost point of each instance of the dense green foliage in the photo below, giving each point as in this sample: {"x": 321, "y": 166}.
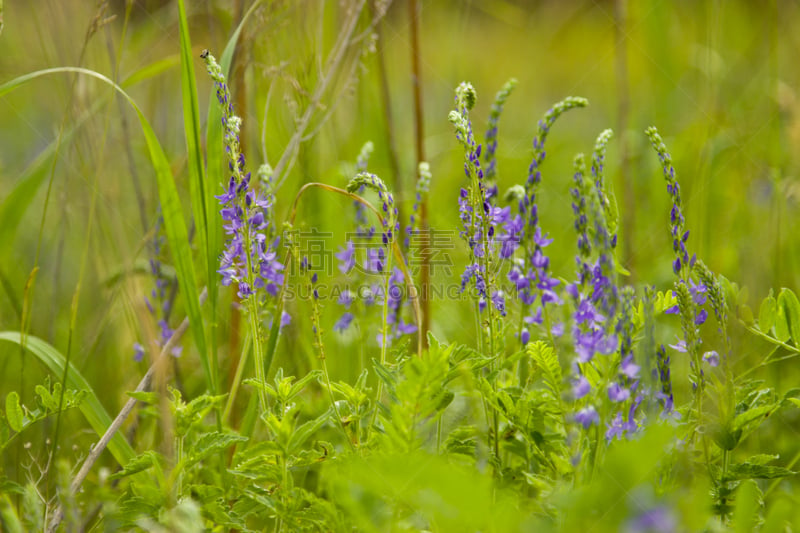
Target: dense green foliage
{"x": 214, "y": 222}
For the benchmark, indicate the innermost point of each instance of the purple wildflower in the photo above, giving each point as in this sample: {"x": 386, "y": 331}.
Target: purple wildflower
{"x": 581, "y": 387}
{"x": 346, "y": 257}
{"x": 587, "y": 417}
{"x": 655, "y": 520}
{"x": 344, "y": 322}
{"x": 712, "y": 358}
{"x": 138, "y": 352}
{"x": 616, "y": 393}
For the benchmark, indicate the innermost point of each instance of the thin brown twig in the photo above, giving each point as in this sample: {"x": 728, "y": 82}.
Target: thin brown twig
{"x": 101, "y": 445}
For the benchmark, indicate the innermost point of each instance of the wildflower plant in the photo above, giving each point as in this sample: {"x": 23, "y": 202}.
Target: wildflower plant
{"x": 571, "y": 411}
{"x": 250, "y": 261}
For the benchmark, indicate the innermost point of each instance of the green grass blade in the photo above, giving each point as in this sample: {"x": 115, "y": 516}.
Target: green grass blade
{"x": 91, "y": 407}
{"x": 150, "y": 71}
{"x": 174, "y": 224}
{"x": 19, "y": 199}
{"x": 197, "y": 182}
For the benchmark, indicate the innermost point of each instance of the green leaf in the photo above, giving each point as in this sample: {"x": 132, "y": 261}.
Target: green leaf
{"x": 761, "y": 459}
{"x": 211, "y": 443}
{"x": 791, "y": 308}
{"x": 172, "y": 212}
{"x": 752, "y": 415}
{"x": 91, "y": 407}
{"x": 782, "y": 331}
{"x": 9, "y": 487}
{"x": 546, "y": 361}
{"x": 9, "y": 521}
{"x": 304, "y": 432}
{"x": 755, "y": 471}
{"x": 14, "y": 413}
{"x": 767, "y": 313}
{"x": 144, "y": 396}
{"x": 49, "y": 403}
{"x": 140, "y": 463}
{"x": 151, "y": 70}
{"x": 301, "y": 383}
{"x": 197, "y": 185}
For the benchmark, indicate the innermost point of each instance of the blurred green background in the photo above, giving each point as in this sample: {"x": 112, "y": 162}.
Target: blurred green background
{"x": 719, "y": 80}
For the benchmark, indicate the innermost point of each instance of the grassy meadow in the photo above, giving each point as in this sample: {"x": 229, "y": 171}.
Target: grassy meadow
{"x": 221, "y": 206}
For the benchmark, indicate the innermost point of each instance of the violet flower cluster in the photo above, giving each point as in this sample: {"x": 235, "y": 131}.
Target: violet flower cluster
{"x": 422, "y": 187}
{"x": 531, "y": 275}
{"x": 158, "y": 303}
{"x": 490, "y": 155}
{"x": 490, "y": 231}
{"x": 249, "y": 260}
{"x": 677, "y": 223}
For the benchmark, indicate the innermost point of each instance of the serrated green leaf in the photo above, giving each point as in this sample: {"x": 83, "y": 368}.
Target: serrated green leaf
{"x": 9, "y": 487}
{"x": 546, "y": 362}
{"x": 755, "y": 471}
{"x": 761, "y": 459}
{"x": 788, "y": 300}
{"x": 144, "y": 396}
{"x": 752, "y": 415}
{"x": 304, "y": 432}
{"x": 301, "y": 383}
{"x": 140, "y": 463}
{"x": 171, "y": 209}
{"x": 91, "y": 407}
{"x": 14, "y": 413}
{"x": 209, "y": 444}
{"x": 767, "y": 313}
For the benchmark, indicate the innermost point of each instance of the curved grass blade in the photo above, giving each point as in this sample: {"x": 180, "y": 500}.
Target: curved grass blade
{"x": 91, "y": 407}
{"x": 174, "y": 224}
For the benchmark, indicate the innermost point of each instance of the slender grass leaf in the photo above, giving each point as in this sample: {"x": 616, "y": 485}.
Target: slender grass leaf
{"x": 197, "y": 179}
{"x": 91, "y": 407}
{"x": 14, "y": 414}
{"x": 151, "y": 71}
{"x": 174, "y": 224}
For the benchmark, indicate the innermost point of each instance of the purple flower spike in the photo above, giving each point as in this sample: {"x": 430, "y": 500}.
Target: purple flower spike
{"x": 581, "y": 387}
{"x": 346, "y": 257}
{"x": 344, "y": 322}
{"x": 587, "y": 417}
{"x": 138, "y": 352}
{"x": 712, "y": 358}
{"x": 616, "y": 393}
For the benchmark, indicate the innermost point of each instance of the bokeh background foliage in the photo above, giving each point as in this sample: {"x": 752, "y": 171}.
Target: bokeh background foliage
{"x": 719, "y": 79}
